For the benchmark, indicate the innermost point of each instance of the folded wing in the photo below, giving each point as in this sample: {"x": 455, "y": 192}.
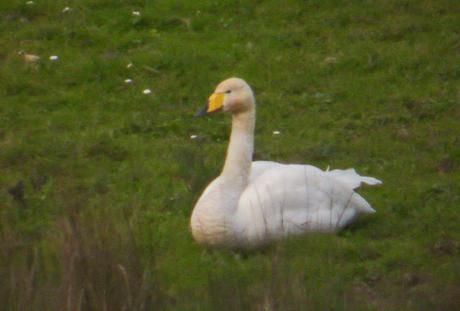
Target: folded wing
{"x": 283, "y": 200}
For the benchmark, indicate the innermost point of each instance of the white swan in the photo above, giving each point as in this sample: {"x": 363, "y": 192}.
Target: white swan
{"x": 253, "y": 203}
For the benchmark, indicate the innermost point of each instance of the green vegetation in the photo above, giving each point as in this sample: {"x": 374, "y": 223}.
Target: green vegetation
{"x": 98, "y": 180}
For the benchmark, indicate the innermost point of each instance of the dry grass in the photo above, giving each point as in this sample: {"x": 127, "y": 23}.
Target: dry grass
{"x": 89, "y": 262}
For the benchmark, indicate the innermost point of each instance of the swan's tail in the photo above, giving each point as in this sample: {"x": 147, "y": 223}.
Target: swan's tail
{"x": 351, "y": 178}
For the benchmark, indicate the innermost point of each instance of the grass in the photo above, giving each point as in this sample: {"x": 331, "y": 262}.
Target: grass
{"x": 98, "y": 180}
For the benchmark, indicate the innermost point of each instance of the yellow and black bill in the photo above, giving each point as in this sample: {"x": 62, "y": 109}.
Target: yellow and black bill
{"x": 215, "y": 103}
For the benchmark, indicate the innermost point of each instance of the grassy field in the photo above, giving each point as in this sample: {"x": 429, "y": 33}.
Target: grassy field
{"x": 98, "y": 180}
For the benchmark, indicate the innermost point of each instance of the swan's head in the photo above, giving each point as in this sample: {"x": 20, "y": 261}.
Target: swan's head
{"x": 233, "y": 95}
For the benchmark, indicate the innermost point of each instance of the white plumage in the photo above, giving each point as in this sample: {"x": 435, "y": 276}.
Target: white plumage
{"x": 253, "y": 203}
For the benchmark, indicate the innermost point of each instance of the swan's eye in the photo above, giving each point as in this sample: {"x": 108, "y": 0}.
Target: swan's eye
{"x": 228, "y": 92}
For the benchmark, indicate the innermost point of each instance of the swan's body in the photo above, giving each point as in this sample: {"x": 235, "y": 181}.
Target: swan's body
{"x": 253, "y": 203}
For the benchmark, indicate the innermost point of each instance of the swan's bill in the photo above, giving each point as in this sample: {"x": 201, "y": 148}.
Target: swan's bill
{"x": 215, "y": 103}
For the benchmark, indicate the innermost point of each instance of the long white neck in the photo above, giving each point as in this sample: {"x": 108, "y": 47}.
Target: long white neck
{"x": 239, "y": 153}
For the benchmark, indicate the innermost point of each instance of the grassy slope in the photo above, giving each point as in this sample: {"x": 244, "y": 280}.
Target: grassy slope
{"x": 110, "y": 175}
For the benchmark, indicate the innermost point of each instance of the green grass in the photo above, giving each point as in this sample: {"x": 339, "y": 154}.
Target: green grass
{"x": 98, "y": 180}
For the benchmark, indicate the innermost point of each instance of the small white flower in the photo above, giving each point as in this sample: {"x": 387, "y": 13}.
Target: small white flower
{"x": 54, "y": 57}
{"x": 128, "y": 81}
{"x": 276, "y": 132}
{"x": 147, "y": 91}
{"x": 66, "y": 9}
{"x": 193, "y": 136}
{"x": 129, "y": 65}
{"x": 136, "y": 13}
{"x": 29, "y": 2}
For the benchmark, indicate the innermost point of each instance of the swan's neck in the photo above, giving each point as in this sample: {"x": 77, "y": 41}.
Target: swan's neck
{"x": 239, "y": 153}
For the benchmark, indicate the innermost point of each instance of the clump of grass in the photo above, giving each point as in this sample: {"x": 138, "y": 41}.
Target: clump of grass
{"x": 85, "y": 261}
{"x": 101, "y": 267}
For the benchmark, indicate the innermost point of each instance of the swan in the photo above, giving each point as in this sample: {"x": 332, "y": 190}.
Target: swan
{"x": 251, "y": 204}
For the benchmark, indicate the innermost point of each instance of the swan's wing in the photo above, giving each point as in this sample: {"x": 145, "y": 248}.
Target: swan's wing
{"x": 348, "y": 176}
{"x": 292, "y": 199}
{"x": 260, "y": 167}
